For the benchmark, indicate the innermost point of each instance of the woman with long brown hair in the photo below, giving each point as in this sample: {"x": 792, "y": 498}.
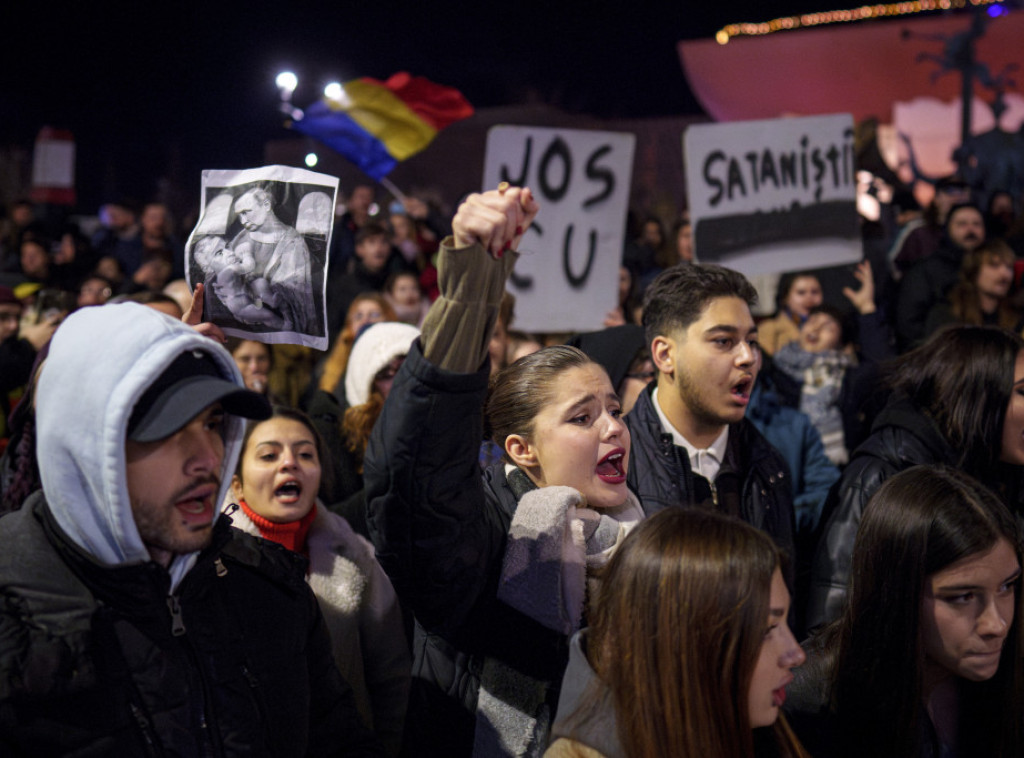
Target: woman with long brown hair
{"x": 688, "y": 652}
{"x": 981, "y": 295}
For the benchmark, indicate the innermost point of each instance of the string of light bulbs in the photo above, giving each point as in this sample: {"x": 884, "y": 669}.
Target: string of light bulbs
{"x": 863, "y": 13}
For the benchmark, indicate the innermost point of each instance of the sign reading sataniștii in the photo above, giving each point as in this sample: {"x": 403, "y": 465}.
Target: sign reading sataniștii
{"x": 567, "y": 276}
{"x": 773, "y": 196}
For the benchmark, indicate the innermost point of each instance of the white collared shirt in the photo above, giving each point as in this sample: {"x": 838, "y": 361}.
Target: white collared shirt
{"x": 706, "y": 461}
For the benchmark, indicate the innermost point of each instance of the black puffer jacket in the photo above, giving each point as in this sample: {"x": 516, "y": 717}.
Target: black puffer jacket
{"x": 99, "y": 661}
{"x": 901, "y": 437}
{"x": 659, "y": 472}
{"x": 440, "y": 530}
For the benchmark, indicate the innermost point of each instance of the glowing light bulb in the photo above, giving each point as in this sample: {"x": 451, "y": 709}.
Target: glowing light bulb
{"x": 334, "y": 91}
{"x": 311, "y": 159}
{"x": 287, "y": 81}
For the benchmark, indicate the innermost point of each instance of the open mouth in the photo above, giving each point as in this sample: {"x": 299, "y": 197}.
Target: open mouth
{"x": 193, "y": 505}
{"x": 288, "y": 492}
{"x": 779, "y": 697}
{"x": 612, "y": 468}
{"x": 197, "y": 506}
{"x": 741, "y": 390}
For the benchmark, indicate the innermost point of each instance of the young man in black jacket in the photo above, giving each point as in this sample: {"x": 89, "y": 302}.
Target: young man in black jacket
{"x": 692, "y": 446}
{"x": 133, "y": 620}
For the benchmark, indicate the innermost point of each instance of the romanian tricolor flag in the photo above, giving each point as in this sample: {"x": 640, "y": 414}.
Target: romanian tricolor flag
{"x": 376, "y": 124}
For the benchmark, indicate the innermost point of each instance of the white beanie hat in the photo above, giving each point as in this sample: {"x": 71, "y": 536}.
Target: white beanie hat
{"x": 375, "y": 348}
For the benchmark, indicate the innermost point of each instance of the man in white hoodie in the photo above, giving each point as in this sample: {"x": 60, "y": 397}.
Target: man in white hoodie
{"x": 133, "y": 619}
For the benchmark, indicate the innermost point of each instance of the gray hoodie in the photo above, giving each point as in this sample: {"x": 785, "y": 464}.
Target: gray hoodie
{"x": 102, "y": 359}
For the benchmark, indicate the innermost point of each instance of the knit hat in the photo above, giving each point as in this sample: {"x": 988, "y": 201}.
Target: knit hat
{"x": 376, "y": 347}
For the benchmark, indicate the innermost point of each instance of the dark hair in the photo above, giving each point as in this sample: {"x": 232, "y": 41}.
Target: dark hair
{"x": 786, "y": 282}
{"x": 233, "y": 343}
{"x": 680, "y": 294}
{"x": 369, "y": 230}
{"x": 150, "y": 297}
{"x": 919, "y": 522}
{"x": 32, "y": 237}
{"x": 959, "y": 207}
{"x": 292, "y": 414}
{"x": 517, "y": 393}
{"x": 952, "y": 182}
{"x": 992, "y": 200}
{"x": 389, "y": 283}
{"x": 962, "y": 378}
{"x": 631, "y": 302}
{"x": 676, "y": 632}
{"x": 847, "y": 332}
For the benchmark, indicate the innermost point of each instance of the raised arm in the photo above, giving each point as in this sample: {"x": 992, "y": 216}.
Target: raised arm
{"x": 473, "y": 266}
{"x": 433, "y": 531}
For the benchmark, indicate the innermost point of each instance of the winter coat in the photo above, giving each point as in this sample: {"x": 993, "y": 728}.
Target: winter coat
{"x": 924, "y": 285}
{"x": 779, "y": 330}
{"x": 449, "y": 540}
{"x": 659, "y": 472}
{"x": 104, "y": 651}
{"x": 791, "y": 433}
{"x": 812, "y": 716}
{"x": 106, "y": 660}
{"x": 363, "y": 617}
{"x": 902, "y": 437}
{"x": 595, "y": 737}
{"x": 493, "y": 568}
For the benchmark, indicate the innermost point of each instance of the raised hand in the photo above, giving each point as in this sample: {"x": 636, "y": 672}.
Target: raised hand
{"x": 863, "y": 298}
{"x": 497, "y": 219}
{"x": 194, "y": 317}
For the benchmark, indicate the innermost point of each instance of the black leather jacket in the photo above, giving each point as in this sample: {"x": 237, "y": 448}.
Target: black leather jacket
{"x": 901, "y": 437}
{"x": 99, "y": 660}
{"x": 659, "y": 472}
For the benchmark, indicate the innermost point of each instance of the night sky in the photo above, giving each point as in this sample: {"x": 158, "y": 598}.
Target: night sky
{"x": 152, "y": 91}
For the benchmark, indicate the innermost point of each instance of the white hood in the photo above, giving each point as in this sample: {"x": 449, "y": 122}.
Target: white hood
{"x": 102, "y": 359}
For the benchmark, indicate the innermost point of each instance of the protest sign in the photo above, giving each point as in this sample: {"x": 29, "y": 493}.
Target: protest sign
{"x": 773, "y": 196}
{"x": 260, "y": 250}
{"x": 567, "y": 276}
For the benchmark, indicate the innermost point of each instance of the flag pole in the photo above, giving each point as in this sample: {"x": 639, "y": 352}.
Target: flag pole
{"x": 390, "y": 187}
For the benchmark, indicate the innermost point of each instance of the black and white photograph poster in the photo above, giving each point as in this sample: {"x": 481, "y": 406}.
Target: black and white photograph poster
{"x": 260, "y": 250}
{"x": 775, "y": 195}
{"x": 567, "y": 275}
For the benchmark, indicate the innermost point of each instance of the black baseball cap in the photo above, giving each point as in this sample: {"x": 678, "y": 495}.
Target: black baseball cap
{"x": 190, "y": 384}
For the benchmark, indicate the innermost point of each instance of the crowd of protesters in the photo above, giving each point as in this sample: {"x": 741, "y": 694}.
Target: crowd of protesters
{"x": 605, "y": 543}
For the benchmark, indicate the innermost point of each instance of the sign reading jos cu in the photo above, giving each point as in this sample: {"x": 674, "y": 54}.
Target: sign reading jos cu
{"x": 567, "y": 276}
{"x": 773, "y": 196}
